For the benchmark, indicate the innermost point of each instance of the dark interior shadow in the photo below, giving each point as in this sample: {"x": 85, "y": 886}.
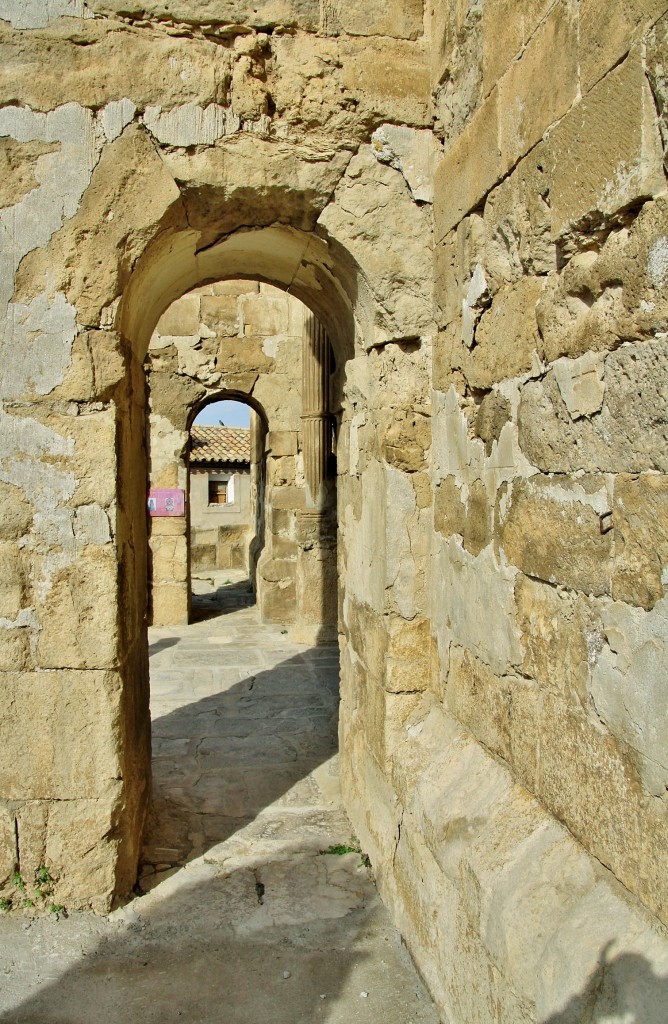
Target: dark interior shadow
{"x": 623, "y": 987}
{"x": 228, "y": 597}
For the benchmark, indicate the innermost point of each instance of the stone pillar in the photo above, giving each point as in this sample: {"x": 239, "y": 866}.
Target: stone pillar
{"x": 316, "y": 523}
{"x": 316, "y": 423}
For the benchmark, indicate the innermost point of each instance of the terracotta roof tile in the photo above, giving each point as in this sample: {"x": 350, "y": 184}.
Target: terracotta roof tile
{"x": 220, "y": 444}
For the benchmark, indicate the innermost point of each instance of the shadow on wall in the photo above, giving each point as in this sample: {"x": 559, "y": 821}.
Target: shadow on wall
{"x": 622, "y": 990}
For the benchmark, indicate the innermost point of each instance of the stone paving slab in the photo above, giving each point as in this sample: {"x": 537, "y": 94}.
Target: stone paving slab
{"x": 246, "y": 917}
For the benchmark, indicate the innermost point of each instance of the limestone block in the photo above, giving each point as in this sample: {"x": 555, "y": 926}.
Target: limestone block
{"x": 530, "y": 886}
{"x": 303, "y": 14}
{"x": 182, "y": 318}
{"x": 506, "y": 338}
{"x": 77, "y": 610}
{"x": 408, "y": 655}
{"x": 169, "y": 604}
{"x": 397, "y": 19}
{"x": 287, "y": 498}
{"x": 478, "y": 522}
{"x": 283, "y": 547}
{"x": 656, "y": 58}
{"x": 561, "y": 637}
{"x": 632, "y": 976}
{"x": 174, "y": 396}
{"x": 94, "y": 461}
{"x": 16, "y": 511}
{"x": 476, "y": 299}
{"x": 281, "y": 520}
{"x": 581, "y": 383}
{"x": 640, "y": 520}
{"x": 456, "y": 63}
{"x": 277, "y": 570}
{"x": 169, "y": 559}
{"x": 220, "y": 313}
{"x": 493, "y": 413}
{"x": 596, "y": 172}
{"x": 468, "y": 169}
{"x": 203, "y": 556}
{"x": 243, "y": 357}
{"x": 613, "y": 295}
{"x": 628, "y": 435}
{"x": 60, "y": 65}
{"x": 167, "y": 526}
{"x": 406, "y": 547}
{"x": 44, "y": 706}
{"x": 505, "y": 31}
{"x": 375, "y": 217}
{"x": 605, "y": 40}
{"x": 552, "y": 530}
{"x": 407, "y": 440}
{"x": 591, "y": 782}
{"x": 518, "y": 221}
{"x": 413, "y": 153}
{"x": 281, "y": 443}
{"x": 14, "y": 649}
{"x": 540, "y": 87}
{"x": 447, "y": 286}
{"x": 230, "y": 288}
{"x": 501, "y": 712}
{"x": 475, "y": 601}
{"x": 81, "y": 854}
{"x": 277, "y": 600}
{"x": 628, "y": 684}
{"x": 98, "y": 365}
{"x": 190, "y": 124}
{"x": 8, "y": 852}
{"x": 12, "y": 581}
{"x": 392, "y": 78}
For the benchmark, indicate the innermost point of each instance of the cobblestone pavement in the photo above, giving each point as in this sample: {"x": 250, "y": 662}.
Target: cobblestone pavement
{"x": 250, "y": 913}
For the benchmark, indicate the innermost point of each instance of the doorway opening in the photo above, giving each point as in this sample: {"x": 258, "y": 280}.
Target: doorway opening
{"x": 244, "y": 699}
{"x": 225, "y": 502}
{"x": 245, "y": 342}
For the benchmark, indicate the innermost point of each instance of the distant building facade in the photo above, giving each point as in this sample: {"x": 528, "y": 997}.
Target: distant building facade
{"x": 220, "y": 497}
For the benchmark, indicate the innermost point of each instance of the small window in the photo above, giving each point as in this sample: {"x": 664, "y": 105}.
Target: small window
{"x": 217, "y": 492}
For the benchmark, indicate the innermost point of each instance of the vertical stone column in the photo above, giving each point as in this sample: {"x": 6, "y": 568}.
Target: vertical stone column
{"x": 316, "y": 426}
{"x": 316, "y": 523}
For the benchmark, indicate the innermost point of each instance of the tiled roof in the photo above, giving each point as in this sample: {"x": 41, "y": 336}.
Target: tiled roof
{"x": 220, "y": 444}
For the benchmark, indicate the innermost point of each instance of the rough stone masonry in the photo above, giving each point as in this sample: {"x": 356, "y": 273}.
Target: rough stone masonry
{"x": 470, "y": 196}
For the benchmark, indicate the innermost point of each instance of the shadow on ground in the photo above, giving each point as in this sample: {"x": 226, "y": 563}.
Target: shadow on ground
{"x": 221, "y": 760}
{"x": 226, "y": 598}
{"x": 262, "y": 923}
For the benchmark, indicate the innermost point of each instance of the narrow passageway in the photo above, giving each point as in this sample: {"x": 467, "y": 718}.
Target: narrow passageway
{"x": 257, "y": 907}
{"x": 244, "y": 733}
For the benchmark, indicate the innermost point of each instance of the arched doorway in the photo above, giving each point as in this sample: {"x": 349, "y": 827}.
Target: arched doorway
{"x": 249, "y": 341}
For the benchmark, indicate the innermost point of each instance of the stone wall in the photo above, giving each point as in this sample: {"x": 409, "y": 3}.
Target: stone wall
{"x": 499, "y": 391}
{"x": 520, "y": 772}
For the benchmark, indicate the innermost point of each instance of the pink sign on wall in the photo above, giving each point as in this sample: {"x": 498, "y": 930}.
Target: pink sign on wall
{"x": 166, "y": 502}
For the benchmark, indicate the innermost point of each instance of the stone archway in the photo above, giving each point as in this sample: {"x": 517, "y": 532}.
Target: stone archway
{"x": 140, "y": 240}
